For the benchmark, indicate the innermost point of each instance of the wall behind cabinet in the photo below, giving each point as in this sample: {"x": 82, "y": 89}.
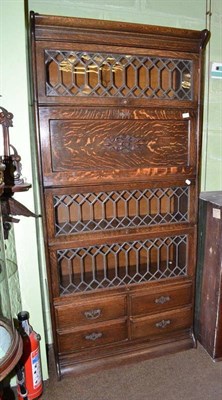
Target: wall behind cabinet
{"x": 212, "y": 134}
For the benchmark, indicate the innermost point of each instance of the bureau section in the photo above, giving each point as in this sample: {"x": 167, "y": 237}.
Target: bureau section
{"x": 97, "y": 320}
{"x": 89, "y": 145}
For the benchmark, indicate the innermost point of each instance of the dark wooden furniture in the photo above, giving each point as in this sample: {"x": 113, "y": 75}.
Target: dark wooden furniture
{"x": 209, "y": 277}
{"x": 118, "y": 121}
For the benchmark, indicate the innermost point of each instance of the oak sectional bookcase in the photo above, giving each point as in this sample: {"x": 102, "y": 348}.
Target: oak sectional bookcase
{"x": 118, "y": 124}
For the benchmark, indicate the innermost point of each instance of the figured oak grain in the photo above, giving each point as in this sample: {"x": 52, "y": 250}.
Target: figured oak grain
{"x": 105, "y": 145}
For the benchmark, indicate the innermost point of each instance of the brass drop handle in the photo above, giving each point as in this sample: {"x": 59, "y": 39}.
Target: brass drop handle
{"x": 92, "y": 314}
{"x": 162, "y": 299}
{"x": 163, "y": 324}
{"x": 94, "y": 336}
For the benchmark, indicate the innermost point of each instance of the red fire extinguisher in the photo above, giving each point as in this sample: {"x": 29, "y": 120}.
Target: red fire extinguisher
{"x": 29, "y": 376}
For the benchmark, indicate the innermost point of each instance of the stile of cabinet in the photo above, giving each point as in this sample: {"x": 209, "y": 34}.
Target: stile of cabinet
{"x": 118, "y": 125}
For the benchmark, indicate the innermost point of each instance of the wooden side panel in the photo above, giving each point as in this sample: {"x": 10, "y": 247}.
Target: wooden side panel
{"x": 210, "y": 328}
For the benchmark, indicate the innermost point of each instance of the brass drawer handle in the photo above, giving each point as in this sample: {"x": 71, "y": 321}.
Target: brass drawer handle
{"x": 92, "y": 314}
{"x": 162, "y": 299}
{"x": 94, "y": 336}
{"x": 162, "y": 324}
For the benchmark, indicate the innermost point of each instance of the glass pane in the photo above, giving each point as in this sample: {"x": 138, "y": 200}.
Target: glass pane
{"x": 97, "y": 211}
{"x": 71, "y": 73}
{"x": 118, "y": 264}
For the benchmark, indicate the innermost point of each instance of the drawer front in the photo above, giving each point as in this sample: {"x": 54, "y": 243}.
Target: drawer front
{"x": 92, "y": 336}
{"x": 158, "y": 301}
{"x": 161, "y": 324}
{"x": 86, "y": 312}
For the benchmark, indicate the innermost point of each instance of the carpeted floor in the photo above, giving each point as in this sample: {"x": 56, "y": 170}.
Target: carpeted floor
{"x": 189, "y": 375}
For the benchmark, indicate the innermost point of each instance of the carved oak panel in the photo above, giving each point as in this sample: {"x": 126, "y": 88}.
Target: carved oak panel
{"x": 91, "y": 144}
{"x": 99, "y": 145}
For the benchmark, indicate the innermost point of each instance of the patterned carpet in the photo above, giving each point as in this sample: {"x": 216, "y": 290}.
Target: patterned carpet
{"x": 189, "y": 375}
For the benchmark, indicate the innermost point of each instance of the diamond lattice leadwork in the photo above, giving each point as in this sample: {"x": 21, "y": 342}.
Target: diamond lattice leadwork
{"x": 118, "y": 264}
{"x": 85, "y": 212}
{"x": 71, "y": 73}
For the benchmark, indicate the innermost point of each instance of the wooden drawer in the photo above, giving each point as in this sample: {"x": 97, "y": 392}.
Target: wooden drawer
{"x": 155, "y": 325}
{"x": 86, "y": 312}
{"x": 159, "y": 300}
{"x": 91, "y": 336}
